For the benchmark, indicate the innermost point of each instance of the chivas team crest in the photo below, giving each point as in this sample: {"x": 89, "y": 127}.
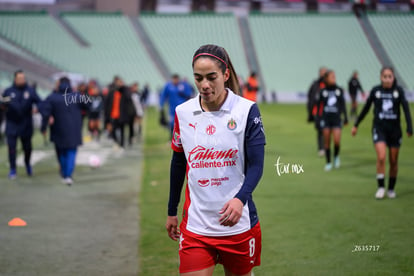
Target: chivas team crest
{"x": 232, "y": 125}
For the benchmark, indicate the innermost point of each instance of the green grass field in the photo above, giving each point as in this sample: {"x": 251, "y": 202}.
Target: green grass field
{"x": 312, "y": 221}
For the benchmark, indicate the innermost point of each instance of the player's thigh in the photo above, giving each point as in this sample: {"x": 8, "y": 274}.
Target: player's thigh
{"x": 353, "y": 99}
{"x": 229, "y": 273}
{"x": 240, "y": 253}
{"x": 196, "y": 255}
{"x": 337, "y": 134}
{"x": 393, "y": 155}
{"x": 204, "y": 272}
{"x": 381, "y": 150}
{"x": 326, "y": 131}
{"x": 91, "y": 124}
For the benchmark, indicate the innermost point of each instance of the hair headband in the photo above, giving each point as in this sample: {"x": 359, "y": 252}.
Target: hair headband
{"x": 211, "y": 55}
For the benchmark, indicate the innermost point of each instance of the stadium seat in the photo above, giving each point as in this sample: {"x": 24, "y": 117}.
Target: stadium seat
{"x": 396, "y": 33}
{"x": 113, "y": 46}
{"x": 15, "y": 50}
{"x": 116, "y": 48}
{"x": 291, "y": 48}
{"x": 39, "y": 34}
{"x": 177, "y": 37}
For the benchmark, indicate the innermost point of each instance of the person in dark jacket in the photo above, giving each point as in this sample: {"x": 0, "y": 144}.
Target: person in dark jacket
{"x": 118, "y": 110}
{"x": 353, "y": 88}
{"x": 62, "y": 109}
{"x": 387, "y": 98}
{"x": 19, "y": 123}
{"x": 313, "y": 94}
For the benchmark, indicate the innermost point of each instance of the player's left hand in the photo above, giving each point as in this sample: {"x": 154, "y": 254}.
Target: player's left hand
{"x": 172, "y": 228}
{"x": 364, "y": 96}
{"x": 231, "y": 212}
{"x": 354, "y": 130}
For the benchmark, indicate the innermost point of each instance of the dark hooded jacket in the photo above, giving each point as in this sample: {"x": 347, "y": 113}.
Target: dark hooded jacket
{"x": 65, "y": 106}
{"x": 19, "y": 112}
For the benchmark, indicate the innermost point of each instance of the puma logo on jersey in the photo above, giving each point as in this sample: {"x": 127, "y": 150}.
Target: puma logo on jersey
{"x": 193, "y": 126}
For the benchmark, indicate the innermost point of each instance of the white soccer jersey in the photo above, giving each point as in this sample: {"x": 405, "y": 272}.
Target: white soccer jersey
{"x": 213, "y": 143}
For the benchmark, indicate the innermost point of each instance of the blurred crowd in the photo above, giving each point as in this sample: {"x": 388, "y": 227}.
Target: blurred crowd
{"x": 101, "y": 110}
{"x": 106, "y": 110}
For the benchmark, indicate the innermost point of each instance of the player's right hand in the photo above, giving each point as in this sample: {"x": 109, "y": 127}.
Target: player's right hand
{"x": 172, "y": 227}
{"x": 354, "y": 130}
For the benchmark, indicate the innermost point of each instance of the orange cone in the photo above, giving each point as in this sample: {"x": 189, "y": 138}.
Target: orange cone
{"x": 17, "y": 222}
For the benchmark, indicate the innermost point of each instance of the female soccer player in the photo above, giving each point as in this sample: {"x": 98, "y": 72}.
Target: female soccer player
{"x": 386, "y": 130}
{"x": 218, "y": 140}
{"x": 354, "y": 86}
{"x": 331, "y": 105}
{"x": 95, "y": 110}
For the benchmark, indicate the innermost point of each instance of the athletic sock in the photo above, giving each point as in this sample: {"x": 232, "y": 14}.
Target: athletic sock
{"x": 336, "y": 150}
{"x": 391, "y": 183}
{"x": 328, "y": 155}
{"x": 380, "y": 180}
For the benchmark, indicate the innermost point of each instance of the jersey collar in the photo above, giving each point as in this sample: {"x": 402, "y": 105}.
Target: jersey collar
{"x": 227, "y": 105}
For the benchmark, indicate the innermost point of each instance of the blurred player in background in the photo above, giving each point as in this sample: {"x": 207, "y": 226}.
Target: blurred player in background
{"x": 331, "y": 106}
{"x": 188, "y": 87}
{"x": 118, "y": 110}
{"x": 313, "y": 94}
{"x": 136, "y": 119}
{"x": 251, "y": 87}
{"x": 83, "y": 90}
{"x": 19, "y": 120}
{"x": 95, "y": 111}
{"x": 144, "y": 96}
{"x": 241, "y": 84}
{"x": 219, "y": 142}
{"x": 387, "y": 99}
{"x": 175, "y": 93}
{"x": 353, "y": 88}
{"x": 2, "y": 111}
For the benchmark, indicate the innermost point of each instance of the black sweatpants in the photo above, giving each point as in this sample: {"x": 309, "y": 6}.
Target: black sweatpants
{"x": 117, "y": 125}
{"x": 12, "y": 145}
{"x": 131, "y": 125}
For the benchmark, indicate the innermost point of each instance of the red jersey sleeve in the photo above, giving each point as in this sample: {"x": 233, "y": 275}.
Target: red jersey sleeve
{"x": 176, "y": 137}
